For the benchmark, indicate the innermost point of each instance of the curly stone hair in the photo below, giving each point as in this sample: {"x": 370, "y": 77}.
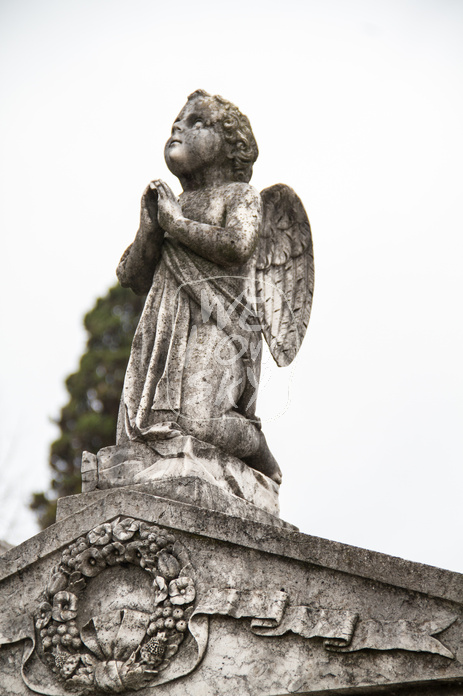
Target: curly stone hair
{"x": 237, "y": 132}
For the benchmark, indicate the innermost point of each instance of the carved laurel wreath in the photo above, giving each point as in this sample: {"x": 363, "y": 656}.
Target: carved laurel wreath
{"x": 78, "y": 654}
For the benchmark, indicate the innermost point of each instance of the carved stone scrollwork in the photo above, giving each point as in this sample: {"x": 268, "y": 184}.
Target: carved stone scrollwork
{"x": 116, "y": 607}
{"x": 124, "y": 598}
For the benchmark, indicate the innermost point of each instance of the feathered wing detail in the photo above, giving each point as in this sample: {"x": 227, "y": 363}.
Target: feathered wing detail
{"x": 284, "y": 272}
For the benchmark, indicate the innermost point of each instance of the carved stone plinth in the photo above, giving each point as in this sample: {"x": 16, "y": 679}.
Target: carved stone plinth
{"x": 184, "y": 468}
{"x": 137, "y": 594}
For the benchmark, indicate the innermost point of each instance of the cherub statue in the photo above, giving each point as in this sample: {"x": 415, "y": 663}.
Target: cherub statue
{"x": 221, "y": 265}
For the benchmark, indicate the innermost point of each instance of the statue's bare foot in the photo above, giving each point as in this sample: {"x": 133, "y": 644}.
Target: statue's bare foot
{"x": 264, "y": 461}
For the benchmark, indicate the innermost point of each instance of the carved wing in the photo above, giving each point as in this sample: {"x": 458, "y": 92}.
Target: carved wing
{"x": 284, "y": 272}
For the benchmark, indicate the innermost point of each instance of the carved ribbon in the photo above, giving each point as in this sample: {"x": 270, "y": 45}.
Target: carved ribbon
{"x": 342, "y": 630}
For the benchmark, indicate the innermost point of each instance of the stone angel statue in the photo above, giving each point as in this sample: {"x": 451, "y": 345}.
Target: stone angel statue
{"x": 222, "y": 265}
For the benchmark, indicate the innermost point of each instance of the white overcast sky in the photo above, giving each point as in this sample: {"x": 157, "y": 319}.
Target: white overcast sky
{"x": 358, "y": 105}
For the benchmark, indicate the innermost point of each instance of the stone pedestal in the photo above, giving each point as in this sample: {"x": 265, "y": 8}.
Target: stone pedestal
{"x": 131, "y": 592}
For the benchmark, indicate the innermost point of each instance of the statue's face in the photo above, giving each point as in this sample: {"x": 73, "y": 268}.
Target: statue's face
{"x": 196, "y": 141}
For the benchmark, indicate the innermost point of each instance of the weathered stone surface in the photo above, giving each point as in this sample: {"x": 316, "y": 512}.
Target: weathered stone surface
{"x": 351, "y": 620}
{"x": 167, "y": 462}
{"x": 186, "y": 489}
{"x": 222, "y": 266}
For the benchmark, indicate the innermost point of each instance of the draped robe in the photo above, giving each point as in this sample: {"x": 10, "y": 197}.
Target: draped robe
{"x": 196, "y": 351}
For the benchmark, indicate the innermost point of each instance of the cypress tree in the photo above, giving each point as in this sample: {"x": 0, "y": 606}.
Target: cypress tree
{"x": 88, "y": 421}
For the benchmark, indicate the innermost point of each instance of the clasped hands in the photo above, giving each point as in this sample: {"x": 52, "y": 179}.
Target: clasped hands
{"x": 167, "y": 207}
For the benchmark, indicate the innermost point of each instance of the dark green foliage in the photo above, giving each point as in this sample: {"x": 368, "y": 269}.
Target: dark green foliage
{"x": 88, "y": 421}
